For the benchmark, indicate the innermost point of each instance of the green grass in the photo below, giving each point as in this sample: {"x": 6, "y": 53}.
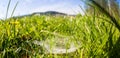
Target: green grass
{"x": 98, "y": 37}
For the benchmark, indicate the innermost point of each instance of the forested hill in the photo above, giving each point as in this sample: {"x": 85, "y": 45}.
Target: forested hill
{"x": 47, "y": 13}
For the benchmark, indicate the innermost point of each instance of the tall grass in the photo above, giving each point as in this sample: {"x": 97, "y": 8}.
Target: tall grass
{"x": 98, "y": 38}
{"x": 94, "y": 35}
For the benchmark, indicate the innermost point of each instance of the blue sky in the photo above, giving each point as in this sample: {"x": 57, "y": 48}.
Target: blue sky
{"x": 30, "y": 6}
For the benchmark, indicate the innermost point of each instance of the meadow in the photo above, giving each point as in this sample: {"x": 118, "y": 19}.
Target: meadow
{"x": 97, "y": 35}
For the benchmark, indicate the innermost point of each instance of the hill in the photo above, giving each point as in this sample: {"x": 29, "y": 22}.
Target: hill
{"x": 47, "y": 13}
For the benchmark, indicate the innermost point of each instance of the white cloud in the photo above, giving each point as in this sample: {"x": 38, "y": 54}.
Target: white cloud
{"x": 28, "y": 1}
{"x": 2, "y": 12}
{"x": 62, "y": 7}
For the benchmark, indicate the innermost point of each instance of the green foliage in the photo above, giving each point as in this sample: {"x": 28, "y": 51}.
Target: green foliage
{"x": 98, "y": 37}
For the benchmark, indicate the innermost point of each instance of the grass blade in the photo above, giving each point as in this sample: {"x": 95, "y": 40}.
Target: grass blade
{"x": 7, "y": 9}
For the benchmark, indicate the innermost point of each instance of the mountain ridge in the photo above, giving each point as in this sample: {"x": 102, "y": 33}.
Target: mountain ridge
{"x": 51, "y": 13}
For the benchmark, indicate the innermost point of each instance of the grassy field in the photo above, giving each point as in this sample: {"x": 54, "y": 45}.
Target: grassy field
{"x": 98, "y": 37}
